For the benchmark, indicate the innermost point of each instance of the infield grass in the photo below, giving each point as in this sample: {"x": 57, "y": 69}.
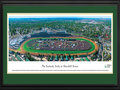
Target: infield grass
{"x": 26, "y": 48}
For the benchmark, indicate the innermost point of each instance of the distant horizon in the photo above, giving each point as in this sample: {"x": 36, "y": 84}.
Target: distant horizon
{"x": 59, "y": 18}
{"x": 102, "y": 17}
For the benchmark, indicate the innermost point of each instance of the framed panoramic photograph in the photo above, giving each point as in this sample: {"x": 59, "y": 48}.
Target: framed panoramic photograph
{"x": 60, "y": 44}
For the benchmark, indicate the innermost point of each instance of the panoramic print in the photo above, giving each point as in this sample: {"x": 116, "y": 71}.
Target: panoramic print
{"x": 60, "y": 37}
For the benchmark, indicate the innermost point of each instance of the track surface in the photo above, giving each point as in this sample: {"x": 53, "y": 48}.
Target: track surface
{"x": 24, "y": 48}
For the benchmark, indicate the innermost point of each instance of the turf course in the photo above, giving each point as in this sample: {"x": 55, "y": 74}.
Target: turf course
{"x": 27, "y": 49}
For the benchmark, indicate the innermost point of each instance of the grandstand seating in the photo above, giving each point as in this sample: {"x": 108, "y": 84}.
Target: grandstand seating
{"x": 82, "y": 59}
{"x": 18, "y": 57}
{"x": 51, "y": 58}
{"x": 13, "y": 58}
{"x": 72, "y": 58}
{"x": 27, "y": 59}
{"x": 67, "y": 59}
{"x": 87, "y": 59}
{"x": 62, "y": 58}
{"x": 56, "y": 58}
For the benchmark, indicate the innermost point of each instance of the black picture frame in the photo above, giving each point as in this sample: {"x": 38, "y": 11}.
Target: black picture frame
{"x": 60, "y": 2}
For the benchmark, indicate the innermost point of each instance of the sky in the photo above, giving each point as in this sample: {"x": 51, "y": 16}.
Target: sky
{"x": 60, "y": 16}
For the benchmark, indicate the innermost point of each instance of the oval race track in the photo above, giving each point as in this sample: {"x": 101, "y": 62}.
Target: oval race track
{"x": 24, "y": 48}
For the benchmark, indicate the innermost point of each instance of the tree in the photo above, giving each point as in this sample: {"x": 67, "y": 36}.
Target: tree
{"x": 29, "y": 57}
{"x": 49, "y": 57}
{"x": 15, "y": 54}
